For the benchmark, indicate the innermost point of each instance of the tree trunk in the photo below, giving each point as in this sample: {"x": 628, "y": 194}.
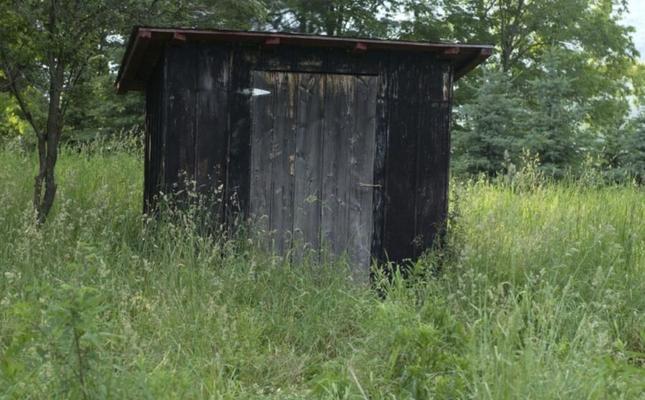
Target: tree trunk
{"x": 48, "y": 146}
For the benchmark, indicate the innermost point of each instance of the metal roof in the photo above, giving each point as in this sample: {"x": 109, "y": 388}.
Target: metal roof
{"x": 146, "y": 45}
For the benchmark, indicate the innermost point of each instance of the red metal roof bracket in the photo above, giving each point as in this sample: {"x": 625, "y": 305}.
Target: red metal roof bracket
{"x": 178, "y": 37}
{"x": 360, "y": 47}
{"x": 144, "y": 34}
{"x": 451, "y": 51}
{"x": 272, "y": 41}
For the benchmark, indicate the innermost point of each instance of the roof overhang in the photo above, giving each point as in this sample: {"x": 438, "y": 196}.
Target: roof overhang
{"x": 146, "y": 44}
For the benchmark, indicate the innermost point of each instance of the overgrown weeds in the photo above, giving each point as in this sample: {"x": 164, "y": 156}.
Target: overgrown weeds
{"x": 540, "y": 296}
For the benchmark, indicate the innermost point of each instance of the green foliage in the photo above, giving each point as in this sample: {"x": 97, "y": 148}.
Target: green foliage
{"x": 87, "y": 43}
{"x": 631, "y": 159}
{"x": 39, "y": 37}
{"x": 568, "y": 68}
{"x": 424, "y": 21}
{"x": 554, "y": 120}
{"x": 571, "y": 62}
{"x": 98, "y": 113}
{"x": 342, "y": 17}
{"x": 541, "y": 298}
{"x": 491, "y": 127}
{"x": 11, "y": 124}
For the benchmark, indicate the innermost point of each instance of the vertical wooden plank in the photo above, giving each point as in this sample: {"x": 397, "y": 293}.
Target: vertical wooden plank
{"x": 262, "y": 108}
{"x": 151, "y": 114}
{"x": 180, "y": 129}
{"x": 433, "y": 152}
{"x": 402, "y": 92}
{"x": 163, "y": 120}
{"x": 380, "y": 153}
{"x": 155, "y": 128}
{"x": 431, "y": 194}
{"x": 308, "y": 168}
{"x": 338, "y": 124}
{"x": 283, "y": 158}
{"x": 211, "y": 122}
{"x": 239, "y": 136}
{"x": 361, "y": 173}
{"x": 417, "y": 157}
{"x": 320, "y": 133}
{"x": 412, "y": 115}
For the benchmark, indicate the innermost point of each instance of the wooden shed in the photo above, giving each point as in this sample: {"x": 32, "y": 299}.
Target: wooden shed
{"x": 326, "y": 142}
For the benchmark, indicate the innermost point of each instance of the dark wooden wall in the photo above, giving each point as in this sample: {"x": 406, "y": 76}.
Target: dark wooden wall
{"x": 154, "y": 138}
{"x": 199, "y": 131}
{"x": 417, "y": 156}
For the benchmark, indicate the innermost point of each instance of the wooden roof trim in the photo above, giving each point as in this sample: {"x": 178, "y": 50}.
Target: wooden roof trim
{"x": 145, "y": 40}
{"x": 469, "y": 65}
{"x": 134, "y": 54}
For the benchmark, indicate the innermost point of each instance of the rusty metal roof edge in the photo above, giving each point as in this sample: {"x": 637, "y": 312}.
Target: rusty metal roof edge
{"x": 142, "y": 35}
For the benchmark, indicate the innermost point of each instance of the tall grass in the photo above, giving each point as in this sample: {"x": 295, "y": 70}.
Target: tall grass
{"x": 542, "y": 296}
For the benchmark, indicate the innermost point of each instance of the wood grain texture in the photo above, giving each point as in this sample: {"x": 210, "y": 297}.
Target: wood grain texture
{"x": 211, "y": 126}
{"x": 261, "y": 143}
{"x": 308, "y": 162}
{"x": 282, "y": 158}
{"x": 433, "y": 157}
{"x": 180, "y": 123}
{"x": 239, "y": 137}
{"x": 432, "y": 180}
{"x": 314, "y": 184}
{"x": 153, "y": 178}
{"x": 361, "y": 173}
{"x": 401, "y": 162}
{"x": 304, "y": 173}
{"x": 380, "y": 157}
{"x": 335, "y": 154}
{"x": 417, "y": 156}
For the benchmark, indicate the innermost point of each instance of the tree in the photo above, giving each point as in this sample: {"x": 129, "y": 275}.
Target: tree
{"x": 489, "y": 129}
{"x": 594, "y": 67}
{"x": 632, "y": 155}
{"x": 95, "y": 111}
{"x": 340, "y": 17}
{"x": 223, "y": 14}
{"x": 44, "y": 57}
{"x": 595, "y": 59}
{"x": 423, "y": 21}
{"x": 554, "y": 122}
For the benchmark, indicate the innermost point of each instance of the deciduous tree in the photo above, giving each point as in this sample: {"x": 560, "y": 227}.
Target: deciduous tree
{"x": 44, "y": 56}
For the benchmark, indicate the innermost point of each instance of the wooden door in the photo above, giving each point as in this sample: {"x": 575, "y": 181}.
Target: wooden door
{"x": 312, "y": 162}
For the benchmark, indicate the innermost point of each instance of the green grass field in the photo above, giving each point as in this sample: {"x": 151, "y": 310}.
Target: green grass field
{"x": 542, "y": 296}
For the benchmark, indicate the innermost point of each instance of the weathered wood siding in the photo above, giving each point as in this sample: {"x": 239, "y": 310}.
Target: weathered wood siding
{"x": 211, "y": 125}
{"x": 312, "y": 161}
{"x": 419, "y": 100}
{"x": 200, "y": 114}
{"x": 154, "y": 145}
